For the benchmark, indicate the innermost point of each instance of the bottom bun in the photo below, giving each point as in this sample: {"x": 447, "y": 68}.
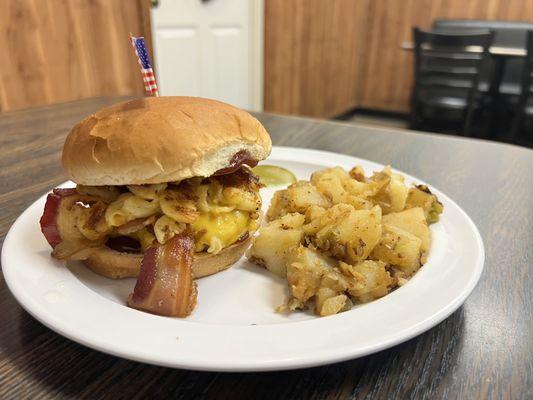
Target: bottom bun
{"x": 116, "y": 265}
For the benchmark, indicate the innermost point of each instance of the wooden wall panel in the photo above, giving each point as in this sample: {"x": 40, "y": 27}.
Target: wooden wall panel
{"x": 388, "y": 72}
{"x": 325, "y": 57}
{"x": 60, "y": 50}
{"x": 313, "y": 55}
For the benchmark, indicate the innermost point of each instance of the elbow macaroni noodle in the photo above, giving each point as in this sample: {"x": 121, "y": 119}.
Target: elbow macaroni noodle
{"x": 218, "y": 215}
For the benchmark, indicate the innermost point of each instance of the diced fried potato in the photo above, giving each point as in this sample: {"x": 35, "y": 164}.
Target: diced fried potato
{"x": 358, "y": 202}
{"x": 392, "y": 196}
{"x": 349, "y": 234}
{"x": 341, "y": 188}
{"x": 305, "y": 268}
{"x": 276, "y": 241}
{"x": 398, "y": 194}
{"x": 334, "y": 280}
{"x": 421, "y": 196}
{"x": 369, "y": 280}
{"x": 329, "y": 182}
{"x": 304, "y": 195}
{"x": 413, "y": 221}
{"x": 362, "y": 189}
{"x": 328, "y": 302}
{"x": 279, "y": 205}
{"x": 357, "y": 173}
{"x": 296, "y": 198}
{"x": 399, "y": 248}
{"x": 313, "y": 213}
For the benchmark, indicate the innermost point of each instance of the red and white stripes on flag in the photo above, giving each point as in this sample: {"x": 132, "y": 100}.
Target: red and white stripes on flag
{"x": 150, "y": 84}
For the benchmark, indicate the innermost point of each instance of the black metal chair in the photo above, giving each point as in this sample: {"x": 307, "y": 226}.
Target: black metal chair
{"x": 522, "y": 131}
{"x": 447, "y": 71}
{"x": 506, "y": 34}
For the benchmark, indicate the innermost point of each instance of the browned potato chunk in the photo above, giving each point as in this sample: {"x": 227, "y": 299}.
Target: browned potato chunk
{"x": 421, "y": 196}
{"x": 305, "y": 268}
{"x": 329, "y": 302}
{"x": 330, "y": 183}
{"x": 296, "y": 198}
{"x": 369, "y": 280}
{"x": 314, "y": 213}
{"x": 279, "y": 206}
{"x": 399, "y": 248}
{"x": 393, "y": 195}
{"x": 303, "y": 195}
{"x": 339, "y": 187}
{"x": 348, "y": 234}
{"x": 413, "y": 221}
{"x": 276, "y": 241}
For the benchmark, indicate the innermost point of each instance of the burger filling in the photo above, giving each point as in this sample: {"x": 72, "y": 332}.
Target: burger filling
{"x": 217, "y": 212}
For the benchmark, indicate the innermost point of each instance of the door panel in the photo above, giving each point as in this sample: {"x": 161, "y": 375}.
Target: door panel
{"x": 185, "y": 42}
{"x": 204, "y": 49}
{"x": 231, "y": 81}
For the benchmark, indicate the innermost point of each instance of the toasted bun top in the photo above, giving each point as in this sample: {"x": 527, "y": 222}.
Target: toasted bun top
{"x": 160, "y": 139}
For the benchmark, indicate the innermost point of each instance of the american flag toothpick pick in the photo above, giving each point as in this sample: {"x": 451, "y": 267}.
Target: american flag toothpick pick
{"x": 150, "y": 85}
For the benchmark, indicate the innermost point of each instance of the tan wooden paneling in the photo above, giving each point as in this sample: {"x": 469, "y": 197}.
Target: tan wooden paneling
{"x": 388, "y": 71}
{"x": 60, "y": 50}
{"x": 325, "y": 57}
{"x": 313, "y": 55}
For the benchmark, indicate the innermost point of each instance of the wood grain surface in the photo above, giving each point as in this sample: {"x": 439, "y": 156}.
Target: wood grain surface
{"x": 325, "y": 57}
{"x": 483, "y": 350}
{"x": 61, "y": 50}
{"x": 313, "y": 55}
{"x": 387, "y": 75}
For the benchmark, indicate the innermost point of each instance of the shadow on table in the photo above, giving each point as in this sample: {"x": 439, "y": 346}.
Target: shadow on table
{"x": 69, "y": 370}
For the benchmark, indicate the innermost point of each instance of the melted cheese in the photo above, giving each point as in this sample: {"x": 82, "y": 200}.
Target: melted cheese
{"x": 218, "y": 215}
{"x": 220, "y": 229}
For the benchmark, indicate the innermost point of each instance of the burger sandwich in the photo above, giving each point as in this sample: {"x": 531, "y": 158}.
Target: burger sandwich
{"x": 165, "y": 194}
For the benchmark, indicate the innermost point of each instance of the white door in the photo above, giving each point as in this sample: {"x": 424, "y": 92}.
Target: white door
{"x": 210, "y": 48}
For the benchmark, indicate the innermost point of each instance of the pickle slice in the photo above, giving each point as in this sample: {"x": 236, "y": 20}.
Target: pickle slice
{"x": 270, "y": 175}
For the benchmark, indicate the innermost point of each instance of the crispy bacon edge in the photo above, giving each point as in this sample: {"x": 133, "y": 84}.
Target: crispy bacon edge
{"x": 165, "y": 285}
{"x": 48, "y": 220}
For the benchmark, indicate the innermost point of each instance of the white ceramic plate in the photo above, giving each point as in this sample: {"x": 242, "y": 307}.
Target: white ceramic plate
{"x": 234, "y": 327}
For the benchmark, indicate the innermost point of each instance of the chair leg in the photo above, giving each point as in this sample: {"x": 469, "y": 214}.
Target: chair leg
{"x": 468, "y": 122}
{"x": 413, "y": 122}
{"x": 515, "y": 130}
{"x": 414, "y": 118}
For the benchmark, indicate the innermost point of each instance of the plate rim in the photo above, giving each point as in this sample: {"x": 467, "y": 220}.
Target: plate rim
{"x": 300, "y": 361}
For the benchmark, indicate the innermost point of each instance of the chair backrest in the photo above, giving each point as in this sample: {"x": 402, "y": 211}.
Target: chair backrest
{"x": 526, "y": 92}
{"x": 527, "y": 76}
{"x": 506, "y": 34}
{"x": 449, "y": 65}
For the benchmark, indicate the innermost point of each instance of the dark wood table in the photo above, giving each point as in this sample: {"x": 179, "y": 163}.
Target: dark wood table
{"x": 484, "y": 350}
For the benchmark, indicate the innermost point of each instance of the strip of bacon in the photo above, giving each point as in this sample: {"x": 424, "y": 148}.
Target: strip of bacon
{"x": 165, "y": 285}
{"x": 48, "y": 221}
